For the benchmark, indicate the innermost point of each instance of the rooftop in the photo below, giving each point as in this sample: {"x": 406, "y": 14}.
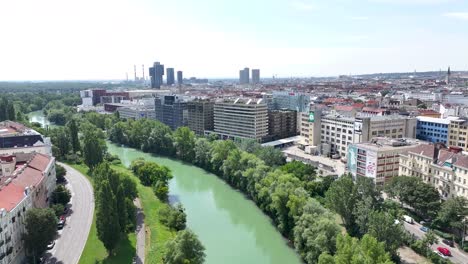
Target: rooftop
{"x": 385, "y": 143}
{"x": 10, "y": 129}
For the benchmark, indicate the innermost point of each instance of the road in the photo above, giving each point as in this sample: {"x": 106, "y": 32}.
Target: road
{"x": 457, "y": 255}
{"x": 72, "y": 238}
{"x": 141, "y": 233}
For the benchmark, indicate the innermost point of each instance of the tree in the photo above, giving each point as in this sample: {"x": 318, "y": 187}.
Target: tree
{"x": 219, "y": 152}
{"x": 93, "y": 151}
{"x": 41, "y": 229}
{"x": 58, "y": 209}
{"x": 202, "y": 153}
{"x": 121, "y": 208}
{"x": 73, "y": 130}
{"x": 61, "y": 140}
{"x": 184, "y": 141}
{"x": 61, "y": 195}
{"x": 174, "y": 218}
{"x": 131, "y": 215}
{"x": 341, "y": 198}
{"x": 452, "y": 214}
{"x": 271, "y": 156}
{"x": 60, "y": 173}
{"x": 107, "y": 220}
{"x": 184, "y": 248}
{"x": 11, "y": 112}
{"x": 304, "y": 172}
{"x": 382, "y": 226}
{"x": 129, "y": 187}
{"x": 151, "y": 172}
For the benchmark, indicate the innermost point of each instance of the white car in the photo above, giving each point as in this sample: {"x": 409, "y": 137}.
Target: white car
{"x": 51, "y": 245}
{"x": 440, "y": 254}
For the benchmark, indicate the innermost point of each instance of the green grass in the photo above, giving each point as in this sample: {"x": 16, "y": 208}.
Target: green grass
{"x": 95, "y": 252}
{"x": 157, "y": 234}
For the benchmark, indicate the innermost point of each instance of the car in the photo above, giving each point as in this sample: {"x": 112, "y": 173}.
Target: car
{"x": 51, "y": 245}
{"x": 408, "y": 219}
{"x": 65, "y": 209}
{"x": 444, "y": 251}
{"x": 440, "y": 254}
{"x": 448, "y": 242}
{"x": 424, "y": 229}
{"x": 61, "y": 222}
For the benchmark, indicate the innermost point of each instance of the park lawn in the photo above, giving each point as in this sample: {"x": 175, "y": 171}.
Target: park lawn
{"x": 94, "y": 251}
{"x": 157, "y": 234}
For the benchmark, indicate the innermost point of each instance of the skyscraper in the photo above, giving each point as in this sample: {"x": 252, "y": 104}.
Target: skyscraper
{"x": 255, "y": 76}
{"x": 170, "y": 76}
{"x": 244, "y": 76}
{"x": 180, "y": 78}
{"x": 156, "y": 72}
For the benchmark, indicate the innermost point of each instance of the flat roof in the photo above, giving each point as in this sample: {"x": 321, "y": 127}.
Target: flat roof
{"x": 445, "y": 121}
{"x": 385, "y": 144}
{"x": 282, "y": 141}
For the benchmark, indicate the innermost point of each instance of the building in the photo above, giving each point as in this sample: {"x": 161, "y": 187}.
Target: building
{"x": 298, "y": 102}
{"x": 17, "y": 138}
{"x": 433, "y": 129}
{"x": 156, "y": 73}
{"x": 94, "y": 97}
{"x": 377, "y": 159}
{"x": 242, "y": 118}
{"x": 458, "y": 133}
{"x": 282, "y": 124}
{"x": 26, "y": 181}
{"x": 333, "y": 133}
{"x": 136, "y": 112}
{"x": 255, "y": 76}
{"x": 180, "y": 78}
{"x": 171, "y": 110}
{"x": 200, "y": 116}
{"x": 244, "y": 76}
{"x": 170, "y": 76}
{"x": 445, "y": 169}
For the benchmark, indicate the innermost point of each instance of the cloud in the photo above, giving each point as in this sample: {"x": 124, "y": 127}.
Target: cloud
{"x": 301, "y": 5}
{"x": 360, "y": 18}
{"x": 457, "y": 15}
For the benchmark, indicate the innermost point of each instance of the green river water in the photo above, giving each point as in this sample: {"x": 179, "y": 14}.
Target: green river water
{"x": 232, "y": 229}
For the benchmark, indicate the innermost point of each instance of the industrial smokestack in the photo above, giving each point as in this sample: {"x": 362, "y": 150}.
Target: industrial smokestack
{"x": 143, "y": 71}
{"x": 134, "y": 69}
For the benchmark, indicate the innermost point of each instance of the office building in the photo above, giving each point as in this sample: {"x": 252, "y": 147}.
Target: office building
{"x": 170, "y": 76}
{"x": 180, "y": 78}
{"x": 241, "y": 119}
{"x": 433, "y": 129}
{"x": 136, "y": 112}
{"x": 156, "y": 74}
{"x": 244, "y": 76}
{"x": 26, "y": 181}
{"x": 298, "y": 102}
{"x": 378, "y": 159}
{"x": 255, "y": 76}
{"x": 445, "y": 169}
{"x": 200, "y": 116}
{"x": 171, "y": 110}
{"x": 282, "y": 124}
{"x": 458, "y": 133}
{"x": 17, "y": 138}
{"x": 94, "y": 97}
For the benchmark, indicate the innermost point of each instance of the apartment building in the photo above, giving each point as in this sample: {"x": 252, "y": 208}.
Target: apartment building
{"x": 200, "y": 116}
{"x": 457, "y": 133}
{"x": 17, "y": 138}
{"x": 282, "y": 124}
{"x": 290, "y": 100}
{"x": 433, "y": 129}
{"x": 241, "y": 118}
{"x": 26, "y": 181}
{"x": 378, "y": 159}
{"x": 445, "y": 169}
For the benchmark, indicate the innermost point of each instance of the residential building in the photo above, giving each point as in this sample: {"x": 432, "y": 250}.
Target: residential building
{"x": 457, "y": 136}
{"x": 255, "y": 76}
{"x": 445, "y": 169}
{"x": 170, "y": 76}
{"x": 156, "y": 73}
{"x": 244, "y": 76}
{"x": 200, "y": 116}
{"x": 377, "y": 159}
{"x": 26, "y": 181}
{"x": 290, "y": 100}
{"x": 180, "y": 78}
{"x": 171, "y": 110}
{"x": 242, "y": 118}
{"x": 433, "y": 129}
{"x": 93, "y": 97}
{"x": 282, "y": 124}
{"x": 17, "y": 138}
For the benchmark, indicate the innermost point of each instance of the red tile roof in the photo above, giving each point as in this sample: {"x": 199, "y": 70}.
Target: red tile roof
{"x": 346, "y": 108}
{"x": 10, "y": 196}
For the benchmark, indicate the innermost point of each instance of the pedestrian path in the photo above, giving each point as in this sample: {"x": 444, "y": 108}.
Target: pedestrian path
{"x": 140, "y": 234}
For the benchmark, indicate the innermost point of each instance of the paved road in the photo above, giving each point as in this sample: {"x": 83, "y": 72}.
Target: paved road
{"x": 72, "y": 238}
{"x": 457, "y": 255}
{"x": 141, "y": 233}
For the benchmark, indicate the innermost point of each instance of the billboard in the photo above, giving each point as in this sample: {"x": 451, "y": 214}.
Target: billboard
{"x": 352, "y": 159}
{"x": 371, "y": 164}
{"x": 358, "y": 126}
{"x": 311, "y": 117}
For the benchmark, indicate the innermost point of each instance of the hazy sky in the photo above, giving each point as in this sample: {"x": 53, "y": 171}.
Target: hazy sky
{"x": 103, "y": 39}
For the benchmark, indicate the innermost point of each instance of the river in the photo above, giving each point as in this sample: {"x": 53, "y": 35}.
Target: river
{"x": 231, "y": 227}
{"x": 38, "y": 117}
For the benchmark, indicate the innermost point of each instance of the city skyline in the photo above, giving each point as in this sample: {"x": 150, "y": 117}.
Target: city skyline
{"x": 85, "y": 41}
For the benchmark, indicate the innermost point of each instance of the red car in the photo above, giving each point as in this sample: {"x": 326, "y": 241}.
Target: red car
{"x": 444, "y": 251}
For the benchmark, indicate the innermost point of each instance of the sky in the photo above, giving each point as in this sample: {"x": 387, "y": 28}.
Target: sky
{"x": 103, "y": 39}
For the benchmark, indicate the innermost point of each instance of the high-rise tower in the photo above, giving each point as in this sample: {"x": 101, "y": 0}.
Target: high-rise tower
{"x": 170, "y": 76}
{"x": 255, "y": 76}
{"x": 156, "y": 72}
{"x": 448, "y": 76}
{"x": 180, "y": 78}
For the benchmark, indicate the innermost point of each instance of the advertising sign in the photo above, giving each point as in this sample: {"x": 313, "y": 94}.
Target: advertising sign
{"x": 311, "y": 117}
{"x": 358, "y": 126}
{"x": 352, "y": 159}
{"x": 371, "y": 164}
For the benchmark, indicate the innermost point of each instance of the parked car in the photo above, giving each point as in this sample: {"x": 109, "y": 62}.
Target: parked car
{"x": 51, "y": 245}
{"x": 444, "y": 251}
{"x": 408, "y": 219}
{"x": 440, "y": 254}
{"x": 66, "y": 209}
{"x": 448, "y": 242}
{"x": 424, "y": 229}
{"x": 61, "y": 222}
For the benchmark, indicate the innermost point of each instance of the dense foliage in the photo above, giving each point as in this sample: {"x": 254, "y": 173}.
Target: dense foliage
{"x": 185, "y": 248}
{"x": 36, "y": 239}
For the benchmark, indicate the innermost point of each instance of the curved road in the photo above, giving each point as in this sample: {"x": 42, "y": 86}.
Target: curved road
{"x": 72, "y": 238}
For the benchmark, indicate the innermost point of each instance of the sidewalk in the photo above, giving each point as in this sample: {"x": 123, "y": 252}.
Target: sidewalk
{"x": 141, "y": 233}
